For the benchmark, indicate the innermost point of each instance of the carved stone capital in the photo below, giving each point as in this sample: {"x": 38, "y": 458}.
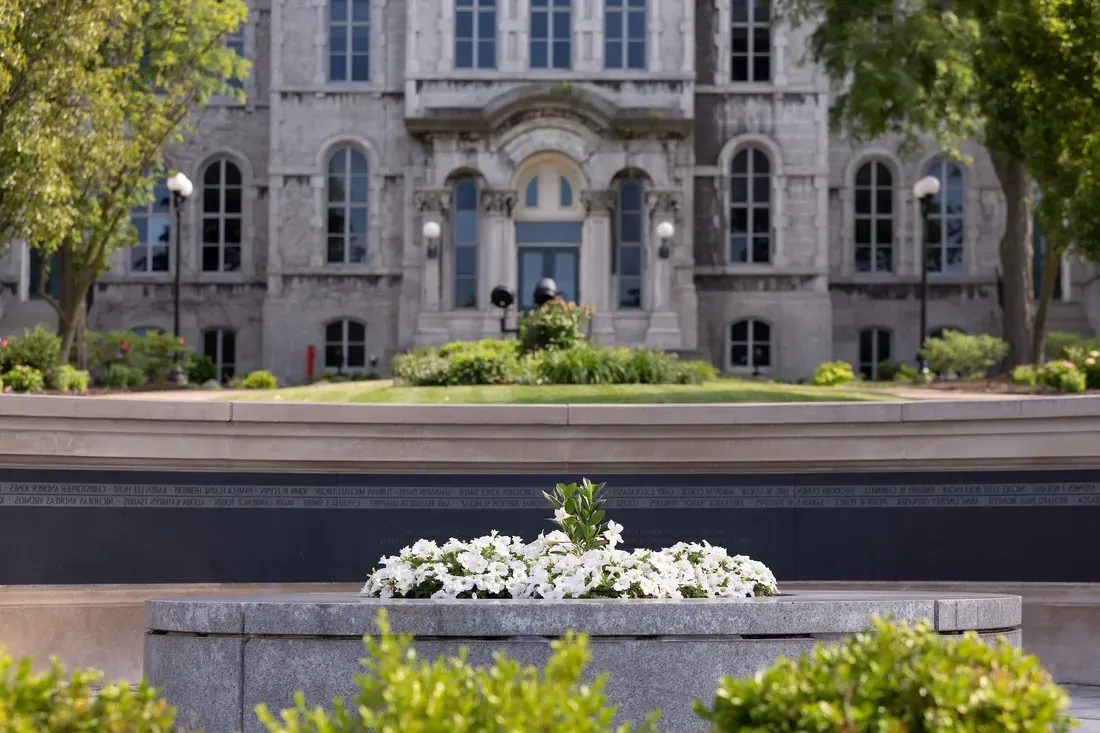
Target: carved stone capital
{"x": 498, "y": 203}
{"x": 432, "y": 201}
{"x": 664, "y": 203}
{"x": 599, "y": 201}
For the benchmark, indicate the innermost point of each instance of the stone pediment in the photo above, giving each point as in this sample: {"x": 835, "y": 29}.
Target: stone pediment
{"x": 558, "y": 100}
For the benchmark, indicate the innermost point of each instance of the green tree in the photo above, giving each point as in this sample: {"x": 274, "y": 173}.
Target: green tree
{"x": 949, "y": 70}
{"x": 162, "y": 60}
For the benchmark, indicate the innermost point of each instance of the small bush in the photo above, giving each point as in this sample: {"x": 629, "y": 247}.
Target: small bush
{"x": 1059, "y": 344}
{"x": 1025, "y": 375}
{"x": 554, "y": 325}
{"x": 5, "y": 358}
{"x": 123, "y": 376}
{"x": 402, "y": 692}
{"x": 964, "y": 355}
{"x": 22, "y": 378}
{"x": 38, "y": 348}
{"x": 66, "y": 378}
{"x": 896, "y": 677}
{"x": 492, "y": 361}
{"x": 154, "y": 353}
{"x": 697, "y": 372}
{"x": 588, "y": 364}
{"x": 59, "y": 702}
{"x": 888, "y": 370}
{"x": 1, "y": 383}
{"x": 1088, "y": 361}
{"x": 1063, "y": 376}
{"x": 907, "y": 373}
{"x": 259, "y": 380}
{"x": 833, "y": 374}
{"x": 200, "y": 369}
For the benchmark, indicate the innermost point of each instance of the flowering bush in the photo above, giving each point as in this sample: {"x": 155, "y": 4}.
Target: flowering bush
{"x": 578, "y": 561}
{"x": 24, "y": 379}
{"x": 1062, "y": 375}
{"x": 554, "y": 325}
{"x": 1088, "y": 362}
{"x": 38, "y": 348}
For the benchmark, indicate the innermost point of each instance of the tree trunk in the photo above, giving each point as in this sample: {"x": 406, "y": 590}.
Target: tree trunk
{"x": 70, "y": 302}
{"x": 1016, "y": 257}
{"x": 1052, "y": 263}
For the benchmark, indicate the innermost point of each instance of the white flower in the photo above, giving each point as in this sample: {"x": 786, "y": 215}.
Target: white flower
{"x": 614, "y": 534}
{"x": 561, "y": 515}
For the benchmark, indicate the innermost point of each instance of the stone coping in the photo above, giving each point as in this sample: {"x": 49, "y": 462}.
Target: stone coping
{"x": 58, "y": 407}
{"x": 803, "y": 613}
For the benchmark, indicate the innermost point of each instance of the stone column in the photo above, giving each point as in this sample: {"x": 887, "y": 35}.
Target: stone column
{"x": 431, "y": 325}
{"x": 664, "y": 323}
{"x": 496, "y": 255}
{"x": 596, "y": 253}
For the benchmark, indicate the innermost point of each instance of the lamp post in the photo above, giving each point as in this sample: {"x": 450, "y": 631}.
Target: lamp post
{"x": 665, "y": 230}
{"x": 181, "y": 188}
{"x": 501, "y": 297}
{"x": 432, "y": 232}
{"x": 924, "y": 190}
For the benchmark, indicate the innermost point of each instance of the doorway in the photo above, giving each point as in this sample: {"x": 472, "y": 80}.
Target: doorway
{"x": 560, "y": 263}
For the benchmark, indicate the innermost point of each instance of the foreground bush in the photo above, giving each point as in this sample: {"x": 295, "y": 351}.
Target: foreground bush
{"x": 833, "y": 374}
{"x": 38, "y": 348}
{"x": 66, "y": 378}
{"x": 153, "y": 353}
{"x": 963, "y": 355}
{"x": 400, "y": 692}
{"x": 24, "y": 379}
{"x": 1088, "y": 362}
{"x": 491, "y": 361}
{"x": 896, "y": 677}
{"x": 261, "y": 379}
{"x": 123, "y": 376}
{"x": 1059, "y": 344}
{"x": 56, "y": 702}
{"x": 200, "y": 369}
{"x": 1063, "y": 376}
{"x": 554, "y": 325}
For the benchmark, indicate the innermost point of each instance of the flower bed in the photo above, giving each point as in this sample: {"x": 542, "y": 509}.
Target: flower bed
{"x": 580, "y": 560}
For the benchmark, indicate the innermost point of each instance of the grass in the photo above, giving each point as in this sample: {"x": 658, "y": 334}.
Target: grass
{"x": 721, "y": 390}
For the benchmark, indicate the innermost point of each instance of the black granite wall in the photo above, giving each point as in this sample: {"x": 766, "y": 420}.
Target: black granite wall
{"x": 69, "y": 526}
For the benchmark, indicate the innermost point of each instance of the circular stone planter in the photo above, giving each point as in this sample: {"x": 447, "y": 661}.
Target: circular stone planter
{"x": 216, "y": 658}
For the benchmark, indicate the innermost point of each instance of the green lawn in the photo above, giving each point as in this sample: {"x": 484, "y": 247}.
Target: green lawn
{"x": 722, "y": 390}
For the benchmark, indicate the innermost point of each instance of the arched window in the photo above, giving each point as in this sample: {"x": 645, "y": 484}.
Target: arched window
{"x": 476, "y": 34}
{"x": 345, "y": 345}
{"x": 220, "y": 344}
{"x": 875, "y": 347}
{"x": 565, "y": 197}
{"x": 624, "y": 34}
{"x": 751, "y": 345}
{"x": 349, "y": 40}
{"x": 945, "y": 231}
{"x": 750, "y": 207}
{"x": 551, "y": 33}
{"x": 750, "y": 41}
{"x": 153, "y": 223}
{"x": 629, "y": 231}
{"x": 221, "y": 217}
{"x": 465, "y": 243}
{"x": 348, "y": 208}
{"x": 874, "y": 218}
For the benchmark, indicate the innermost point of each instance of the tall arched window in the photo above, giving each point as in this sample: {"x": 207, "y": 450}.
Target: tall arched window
{"x": 750, "y": 41}
{"x": 345, "y": 345}
{"x": 349, "y": 40}
{"x": 630, "y": 237}
{"x": 220, "y": 344}
{"x": 154, "y": 232}
{"x": 551, "y": 34}
{"x": 874, "y": 218}
{"x": 751, "y": 345}
{"x": 222, "y": 196}
{"x": 945, "y": 231}
{"x": 875, "y": 346}
{"x": 750, "y": 207}
{"x": 624, "y": 34}
{"x": 465, "y": 243}
{"x": 348, "y": 208}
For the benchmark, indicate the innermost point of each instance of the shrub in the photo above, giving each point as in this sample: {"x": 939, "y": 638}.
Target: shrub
{"x": 261, "y": 379}
{"x": 967, "y": 356}
{"x": 1, "y": 382}
{"x": 1088, "y": 361}
{"x": 153, "y": 353}
{"x": 56, "y": 701}
{"x": 588, "y": 364}
{"x": 1060, "y": 342}
{"x": 123, "y": 376}
{"x": 402, "y": 692}
{"x": 896, "y": 677}
{"x": 200, "y": 369}
{"x": 696, "y": 372}
{"x": 492, "y": 361}
{"x": 1025, "y": 374}
{"x": 554, "y": 325}
{"x": 38, "y": 348}
{"x": 832, "y": 374}
{"x": 1062, "y": 375}
{"x": 888, "y": 370}
{"x": 906, "y": 373}
{"x": 5, "y": 359}
{"x": 22, "y": 378}
{"x": 66, "y": 378}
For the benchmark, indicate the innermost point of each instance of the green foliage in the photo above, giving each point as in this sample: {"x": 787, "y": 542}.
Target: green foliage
{"x": 907, "y": 374}
{"x": 38, "y": 348}
{"x": 964, "y": 355}
{"x": 1060, "y": 342}
{"x": 22, "y": 378}
{"x": 1025, "y": 375}
{"x": 200, "y": 369}
{"x": 889, "y": 370}
{"x": 5, "y": 356}
{"x": 261, "y": 379}
{"x": 67, "y": 378}
{"x": 1088, "y": 361}
{"x": 895, "y": 677}
{"x": 122, "y": 376}
{"x": 492, "y": 361}
{"x": 54, "y": 701}
{"x": 401, "y": 692}
{"x": 579, "y": 512}
{"x": 1063, "y": 376}
{"x": 153, "y": 353}
{"x": 833, "y": 374}
{"x": 555, "y": 325}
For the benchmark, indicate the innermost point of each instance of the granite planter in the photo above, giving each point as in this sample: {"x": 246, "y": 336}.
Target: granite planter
{"x": 216, "y": 658}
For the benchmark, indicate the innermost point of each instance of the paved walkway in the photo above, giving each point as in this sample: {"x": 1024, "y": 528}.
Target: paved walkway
{"x": 1085, "y": 706}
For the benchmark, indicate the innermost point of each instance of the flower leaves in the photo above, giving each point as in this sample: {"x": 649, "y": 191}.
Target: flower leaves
{"x": 578, "y": 510}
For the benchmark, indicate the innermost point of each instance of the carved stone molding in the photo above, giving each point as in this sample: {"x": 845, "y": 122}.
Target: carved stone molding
{"x": 599, "y": 201}
{"x": 665, "y": 203}
{"x": 433, "y": 201}
{"x": 498, "y": 203}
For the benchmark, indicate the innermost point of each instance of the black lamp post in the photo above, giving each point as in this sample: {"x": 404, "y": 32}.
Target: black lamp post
{"x": 501, "y": 297}
{"x": 181, "y": 188}
{"x": 924, "y": 190}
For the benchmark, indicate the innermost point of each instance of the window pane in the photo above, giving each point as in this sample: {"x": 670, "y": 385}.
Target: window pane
{"x": 210, "y": 344}
{"x": 761, "y": 221}
{"x": 334, "y": 356}
{"x": 562, "y": 55}
{"x": 630, "y": 292}
{"x": 336, "y": 221}
{"x": 739, "y": 248}
{"x": 358, "y": 163}
{"x": 540, "y": 26}
{"x": 614, "y": 26}
{"x": 486, "y": 24}
{"x": 762, "y": 68}
{"x": 863, "y": 258}
{"x": 884, "y": 231}
{"x": 884, "y": 259}
{"x": 884, "y": 200}
{"x": 160, "y": 259}
{"x": 863, "y": 201}
{"x": 464, "y": 25}
{"x": 630, "y": 227}
{"x": 739, "y": 355}
{"x": 740, "y": 163}
{"x": 465, "y": 293}
{"x": 338, "y": 10}
{"x": 863, "y": 175}
{"x": 338, "y": 68}
{"x": 487, "y": 54}
{"x": 160, "y": 230}
{"x": 740, "y": 331}
{"x": 739, "y": 220}
{"x": 636, "y": 55}
{"x": 232, "y": 174}
{"x": 360, "y": 10}
{"x": 465, "y": 226}
{"x": 232, "y": 200}
{"x": 630, "y": 260}
{"x": 232, "y": 231}
{"x": 466, "y": 261}
{"x": 212, "y": 176}
{"x": 863, "y": 231}
{"x": 739, "y": 190}
{"x": 337, "y": 164}
{"x": 562, "y": 26}
{"x": 231, "y": 258}
{"x": 360, "y": 38}
{"x": 464, "y": 54}
{"x": 761, "y": 356}
{"x": 358, "y": 220}
{"x": 761, "y": 189}
{"x": 211, "y": 259}
{"x": 630, "y": 196}
{"x": 334, "y": 332}
{"x": 761, "y": 249}
{"x": 531, "y": 196}
{"x": 635, "y": 25}
{"x": 566, "y": 193}
{"x": 739, "y": 70}
{"x": 885, "y": 178}
{"x": 335, "y": 254}
{"x": 360, "y": 68}
{"x": 359, "y": 185}
{"x": 739, "y": 11}
{"x": 357, "y": 332}
{"x": 357, "y": 356}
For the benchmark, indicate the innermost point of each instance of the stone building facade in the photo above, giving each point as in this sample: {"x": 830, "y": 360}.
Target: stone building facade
{"x": 546, "y": 138}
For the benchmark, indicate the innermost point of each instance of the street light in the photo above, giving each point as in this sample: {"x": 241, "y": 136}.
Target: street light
{"x": 924, "y": 190}
{"x": 501, "y": 297}
{"x": 665, "y": 230}
{"x": 181, "y": 188}
{"x": 432, "y": 231}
